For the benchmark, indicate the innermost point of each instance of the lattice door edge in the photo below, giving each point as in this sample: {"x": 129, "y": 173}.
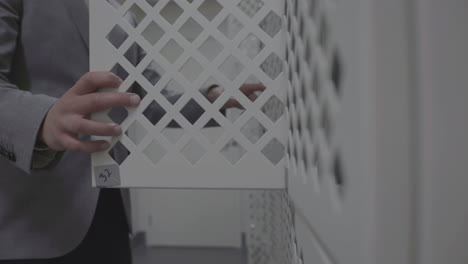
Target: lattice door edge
{"x": 168, "y": 52}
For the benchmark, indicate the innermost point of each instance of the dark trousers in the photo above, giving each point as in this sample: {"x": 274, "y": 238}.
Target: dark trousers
{"x": 107, "y": 241}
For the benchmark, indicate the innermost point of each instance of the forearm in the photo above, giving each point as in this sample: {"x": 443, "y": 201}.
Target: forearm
{"x": 22, "y": 114}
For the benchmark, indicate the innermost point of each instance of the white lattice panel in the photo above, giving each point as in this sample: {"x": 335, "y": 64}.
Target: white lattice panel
{"x": 319, "y": 101}
{"x": 169, "y": 52}
{"x": 335, "y": 163}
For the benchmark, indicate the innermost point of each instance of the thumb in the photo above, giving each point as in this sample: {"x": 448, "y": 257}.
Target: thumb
{"x": 93, "y": 81}
{"x": 253, "y": 87}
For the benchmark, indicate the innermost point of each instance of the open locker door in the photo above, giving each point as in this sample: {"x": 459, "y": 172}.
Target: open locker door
{"x": 177, "y": 138}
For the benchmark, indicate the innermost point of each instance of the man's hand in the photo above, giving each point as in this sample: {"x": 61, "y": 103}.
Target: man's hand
{"x": 249, "y": 90}
{"x": 66, "y": 120}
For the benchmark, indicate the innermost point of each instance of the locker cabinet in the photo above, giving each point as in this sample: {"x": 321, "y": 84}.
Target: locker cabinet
{"x": 358, "y": 141}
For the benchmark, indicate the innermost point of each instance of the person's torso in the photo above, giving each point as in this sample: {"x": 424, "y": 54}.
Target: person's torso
{"x": 47, "y": 213}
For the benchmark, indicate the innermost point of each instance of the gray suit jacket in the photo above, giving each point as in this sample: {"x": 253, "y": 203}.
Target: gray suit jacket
{"x": 43, "y": 52}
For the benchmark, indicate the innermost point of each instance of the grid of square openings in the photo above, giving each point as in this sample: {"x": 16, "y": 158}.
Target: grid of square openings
{"x": 182, "y": 48}
{"x": 315, "y": 73}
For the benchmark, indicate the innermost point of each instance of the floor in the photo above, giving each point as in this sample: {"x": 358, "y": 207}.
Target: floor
{"x": 144, "y": 255}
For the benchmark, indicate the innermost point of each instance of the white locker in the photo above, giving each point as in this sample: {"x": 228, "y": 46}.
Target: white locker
{"x": 368, "y": 104}
{"x": 400, "y": 195}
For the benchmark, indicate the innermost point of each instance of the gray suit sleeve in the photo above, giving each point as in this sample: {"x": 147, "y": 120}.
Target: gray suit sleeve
{"x": 21, "y": 113}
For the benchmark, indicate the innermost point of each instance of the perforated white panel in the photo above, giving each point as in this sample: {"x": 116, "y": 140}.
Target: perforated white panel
{"x": 270, "y": 227}
{"x": 170, "y": 52}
